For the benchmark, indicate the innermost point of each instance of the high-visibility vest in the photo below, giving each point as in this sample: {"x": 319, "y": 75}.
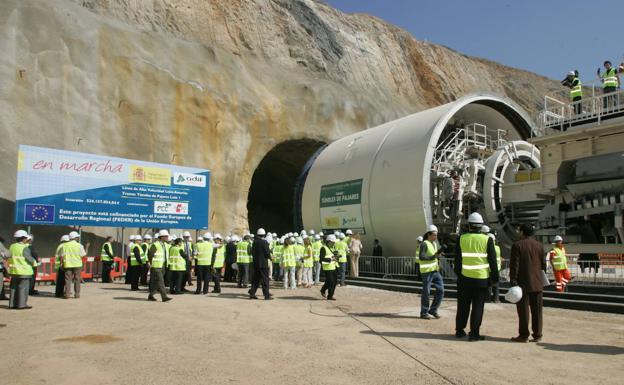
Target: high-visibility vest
{"x": 341, "y": 247}
{"x": 429, "y": 266}
{"x": 277, "y": 253}
{"x": 133, "y": 261}
{"x": 577, "y": 89}
{"x": 144, "y": 249}
{"x": 175, "y": 261}
{"x": 160, "y": 255}
{"x": 299, "y": 251}
{"x": 559, "y": 258}
{"x": 18, "y": 264}
{"x": 347, "y": 241}
{"x": 204, "y": 253}
{"x": 242, "y": 256}
{"x": 308, "y": 252}
{"x": 219, "y": 257}
{"x": 474, "y": 255}
{"x": 328, "y": 265}
{"x": 103, "y": 256}
{"x": 498, "y": 257}
{"x": 289, "y": 258}
{"x": 417, "y": 256}
{"x": 316, "y": 249}
{"x": 71, "y": 255}
{"x": 609, "y": 78}
{"x": 57, "y": 257}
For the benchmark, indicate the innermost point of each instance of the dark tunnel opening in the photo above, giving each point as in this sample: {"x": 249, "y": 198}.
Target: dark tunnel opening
{"x": 271, "y": 199}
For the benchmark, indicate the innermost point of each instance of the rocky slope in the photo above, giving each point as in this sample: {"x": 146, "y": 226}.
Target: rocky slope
{"x": 217, "y": 83}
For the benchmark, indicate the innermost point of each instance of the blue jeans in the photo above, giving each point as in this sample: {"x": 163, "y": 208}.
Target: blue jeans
{"x": 428, "y": 279}
{"x": 342, "y": 271}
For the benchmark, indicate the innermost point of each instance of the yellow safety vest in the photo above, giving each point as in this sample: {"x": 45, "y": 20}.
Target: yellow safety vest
{"x": 204, "y": 253}
{"x": 133, "y": 261}
{"x": 160, "y": 255}
{"x": 71, "y": 255}
{"x": 429, "y": 266}
{"x": 175, "y": 261}
{"x": 144, "y": 251}
{"x": 341, "y": 247}
{"x": 316, "y": 248}
{"x": 103, "y": 256}
{"x": 328, "y": 265}
{"x": 57, "y": 258}
{"x": 219, "y": 257}
{"x": 576, "y": 89}
{"x": 18, "y": 264}
{"x": 242, "y": 256}
{"x": 277, "y": 253}
{"x": 609, "y": 78}
{"x": 474, "y": 255}
{"x": 559, "y": 260}
{"x": 498, "y": 257}
{"x": 289, "y": 258}
{"x": 308, "y": 256}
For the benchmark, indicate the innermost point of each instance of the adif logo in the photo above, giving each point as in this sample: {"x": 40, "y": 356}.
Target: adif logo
{"x": 189, "y": 179}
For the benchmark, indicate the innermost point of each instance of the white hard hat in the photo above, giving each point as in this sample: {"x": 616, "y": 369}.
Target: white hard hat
{"x": 349, "y": 232}
{"x": 74, "y": 235}
{"x": 163, "y": 233}
{"x": 432, "y": 228}
{"x": 186, "y": 234}
{"x": 208, "y": 235}
{"x": 342, "y": 236}
{"x": 331, "y": 238}
{"x": 147, "y": 236}
{"x": 269, "y": 237}
{"x": 558, "y": 238}
{"x": 514, "y": 294}
{"x": 275, "y": 235}
{"x": 295, "y": 234}
{"x": 261, "y": 231}
{"x": 292, "y": 240}
{"x": 317, "y": 237}
{"x": 321, "y": 234}
{"x": 137, "y": 237}
{"x": 29, "y": 237}
{"x": 303, "y": 232}
{"x": 300, "y": 240}
{"x": 228, "y": 238}
{"x": 485, "y": 229}
{"x": 475, "y": 219}
{"x": 420, "y": 238}
{"x": 311, "y": 232}
{"x": 217, "y": 236}
{"x": 65, "y": 238}
{"x": 572, "y": 73}
{"x": 491, "y": 235}
{"x": 20, "y": 234}
{"x": 174, "y": 237}
{"x": 200, "y": 239}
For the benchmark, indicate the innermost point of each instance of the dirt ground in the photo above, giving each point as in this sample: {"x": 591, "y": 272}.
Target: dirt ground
{"x": 114, "y": 336}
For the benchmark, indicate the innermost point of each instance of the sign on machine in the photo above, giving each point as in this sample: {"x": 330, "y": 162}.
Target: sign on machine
{"x": 341, "y": 206}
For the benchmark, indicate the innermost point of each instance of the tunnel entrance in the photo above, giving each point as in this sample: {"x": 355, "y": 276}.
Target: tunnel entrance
{"x": 271, "y": 199}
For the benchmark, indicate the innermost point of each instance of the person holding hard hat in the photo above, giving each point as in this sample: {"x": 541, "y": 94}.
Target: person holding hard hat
{"x": 157, "y": 256}
{"x": 526, "y": 269}
{"x": 21, "y": 265}
{"x": 429, "y": 252}
{"x": 559, "y": 263}
{"x": 60, "y": 273}
{"x": 71, "y": 259}
{"x": 476, "y": 268}
{"x": 419, "y": 241}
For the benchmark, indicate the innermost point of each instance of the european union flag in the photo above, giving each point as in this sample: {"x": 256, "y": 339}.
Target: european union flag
{"x": 38, "y": 213}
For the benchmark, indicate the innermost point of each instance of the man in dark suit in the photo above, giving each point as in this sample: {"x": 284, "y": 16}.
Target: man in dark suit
{"x": 526, "y": 266}
{"x": 261, "y": 259}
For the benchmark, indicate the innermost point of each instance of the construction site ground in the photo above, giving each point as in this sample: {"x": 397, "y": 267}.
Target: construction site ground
{"x": 114, "y": 336}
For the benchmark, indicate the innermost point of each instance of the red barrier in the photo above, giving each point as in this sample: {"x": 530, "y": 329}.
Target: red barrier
{"x": 89, "y": 267}
{"x": 46, "y": 271}
{"x": 119, "y": 269}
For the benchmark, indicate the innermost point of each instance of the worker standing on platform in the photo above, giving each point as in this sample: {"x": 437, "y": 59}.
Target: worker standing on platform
{"x": 289, "y": 263}
{"x": 71, "y": 259}
{"x": 147, "y": 240}
{"x": 610, "y": 84}
{"x": 107, "y": 258}
{"x": 218, "y": 258}
{"x": 59, "y": 288}
{"x": 328, "y": 257}
{"x": 157, "y": 256}
{"x": 21, "y": 265}
{"x": 559, "y": 263}
{"x": 576, "y": 90}
{"x": 428, "y": 255}
{"x": 475, "y": 266}
{"x": 135, "y": 262}
{"x": 261, "y": 260}
{"x": 177, "y": 267}
{"x": 189, "y": 252}
{"x": 242, "y": 260}
{"x": 203, "y": 264}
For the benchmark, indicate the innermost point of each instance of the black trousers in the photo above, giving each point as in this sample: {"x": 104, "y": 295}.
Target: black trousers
{"x": 216, "y": 278}
{"x": 470, "y": 295}
{"x": 144, "y": 270}
{"x": 534, "y": 302}
{"x": 260, "y": 277}
{"x": 577, "y": 107}
{"x": 176, "y": 281}
{"x": 156, "y": 283}
{"x": 189, "y": 273}
{"x": 133, "y": 274}
{"x": 243, "y": 274}
{"x": 230, "y": 274}
{"x": 203, "y": 278}
{"x": 31, "y": 290}
{"x": 127, "y": 279}
{"x": 106, "y": 271}
{"x": 59, "y": 289}
{"x": 330, "y": 283}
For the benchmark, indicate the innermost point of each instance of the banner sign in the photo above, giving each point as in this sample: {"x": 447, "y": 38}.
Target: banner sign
{"x": 76, "y": 189}
{"x": 341, "y": 206}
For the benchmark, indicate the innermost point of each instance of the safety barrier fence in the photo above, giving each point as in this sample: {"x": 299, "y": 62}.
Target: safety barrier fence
{"x": 91, "y": 268}
{"x": 584, "y": 273}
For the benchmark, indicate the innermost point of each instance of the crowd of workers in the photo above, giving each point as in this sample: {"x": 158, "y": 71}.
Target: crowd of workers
{"x": 609, "y": 79}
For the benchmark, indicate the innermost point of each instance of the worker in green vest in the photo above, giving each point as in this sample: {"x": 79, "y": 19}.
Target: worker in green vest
{"x": 107, "y": 258}
{"x": 20, "y": 269}
{"x": 299, "y": 252}
{"x": 203, "y": 263}
{"x": 59, "y": 288}
{"x": 71, "y": 259}
{"x": 342, "y": 248}
{"x": 559, "y": 262}
{"x": 289, "y": 263}
{"x": 573, "y": 82}
{"x": 158, "y": 256}
{"x": 429, "y": 252}
{"x": 135, "y": 262}
{"x": 316, "y": 249}
{"x": 476, "y": 267}
{"x": 308, "y": 263}
{"x": 329, "y": 259}
{"x": 145, "y": 245}
{"x": 177, "y": 267}
{"x": 277, "y": 259}
{"x": 610, "y": 84}
{"x": 243, "y": 249}
{"x": 218, "y": 262}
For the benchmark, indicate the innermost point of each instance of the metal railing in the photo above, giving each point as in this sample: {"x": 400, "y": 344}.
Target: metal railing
{"x": 559, "y": 116}
{"x": 585, "y": 273}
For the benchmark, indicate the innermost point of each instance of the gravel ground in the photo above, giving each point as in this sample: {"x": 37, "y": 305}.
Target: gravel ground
{"x": 114, "y": 336}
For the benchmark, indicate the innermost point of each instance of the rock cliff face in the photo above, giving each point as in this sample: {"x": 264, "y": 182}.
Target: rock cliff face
{"x": 216, "y": 84}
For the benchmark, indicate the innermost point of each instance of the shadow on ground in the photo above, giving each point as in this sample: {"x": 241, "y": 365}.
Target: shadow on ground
{"x": 580, "y": 348}
{"x": 130, "y": 299}
{"x": 430, "y": 336}
{"x": 384, "y": 315}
